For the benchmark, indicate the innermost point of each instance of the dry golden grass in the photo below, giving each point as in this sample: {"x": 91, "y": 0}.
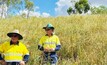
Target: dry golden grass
{"x": 83, "y": 38}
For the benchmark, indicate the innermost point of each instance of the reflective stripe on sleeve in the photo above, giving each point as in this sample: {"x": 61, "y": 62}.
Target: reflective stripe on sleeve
{"x": 13, "y": 60}
{"x": 12, "y": 54}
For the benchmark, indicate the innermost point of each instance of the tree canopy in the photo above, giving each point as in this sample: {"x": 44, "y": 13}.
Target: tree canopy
{"x": 7, "y": 6}
{"x": 81, "y": 6}
{"x": 99, "y": 10}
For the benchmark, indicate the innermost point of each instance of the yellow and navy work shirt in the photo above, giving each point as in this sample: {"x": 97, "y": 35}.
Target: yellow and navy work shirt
{"x": 49, "y": 42}
{"x": 13, "y": 53}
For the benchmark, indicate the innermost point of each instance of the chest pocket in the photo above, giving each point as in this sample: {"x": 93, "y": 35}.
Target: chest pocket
{"x": 13, "y": 48}
{"x": 50, "y": 41}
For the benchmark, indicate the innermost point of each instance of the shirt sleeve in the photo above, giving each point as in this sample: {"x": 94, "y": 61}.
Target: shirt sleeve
{"x": 26, "y": 58}
{"x": 1, "y": 57}
{"x": 40, "y": 45}
{"x": 1, "y": 48}
{"x": 25, "y": 50}
{"x": 41, "y": 42}
{"x": 57, "y": 41}
{"x": 58, "y": 45}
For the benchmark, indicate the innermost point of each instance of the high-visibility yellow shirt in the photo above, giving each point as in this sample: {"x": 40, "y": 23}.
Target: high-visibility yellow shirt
{"x": 49, "y": 42}
{"x": 13, "y": 53}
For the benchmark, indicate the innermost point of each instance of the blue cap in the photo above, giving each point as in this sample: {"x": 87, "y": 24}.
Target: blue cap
{"x": 50, "y": 26}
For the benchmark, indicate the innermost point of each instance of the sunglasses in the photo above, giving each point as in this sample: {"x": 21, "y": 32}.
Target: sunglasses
{"x": 47, "y": 29}
{"x": 14, "y": 36}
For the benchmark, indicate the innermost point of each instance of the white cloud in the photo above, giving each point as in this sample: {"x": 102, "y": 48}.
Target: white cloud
{"x": 36, "y": 14}
{"x": 44, "y": 14}
{"x": 98, "y": 2}
{"x": 62, "y": 6}
{"x": 31, "y": 13}
{"x": 36, "y": 8}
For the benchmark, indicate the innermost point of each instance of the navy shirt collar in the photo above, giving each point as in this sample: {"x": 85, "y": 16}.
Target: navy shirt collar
{"x": 11, "y": 43}
{"x": 47, "y": 34}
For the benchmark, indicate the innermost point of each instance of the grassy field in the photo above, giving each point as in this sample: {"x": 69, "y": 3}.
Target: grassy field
{"x": 83, "y": 38}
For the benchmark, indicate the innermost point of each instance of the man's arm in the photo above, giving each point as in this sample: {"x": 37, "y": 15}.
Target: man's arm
{"x": 25, "y": 53}
{"x": 40, "y": 47}
{"x": 26, "y": 58}
{"x": 1, "y": 57}
{"x": 57, "y": 47}
{"x": 1, "y": 51}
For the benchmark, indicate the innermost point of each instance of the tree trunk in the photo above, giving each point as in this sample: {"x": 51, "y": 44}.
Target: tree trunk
{"x": 28, "y": 13}
{"x": 6, "y": 10}
{"x": 2, "y": 11}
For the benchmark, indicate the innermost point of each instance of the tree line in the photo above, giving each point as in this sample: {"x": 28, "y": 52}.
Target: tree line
{"x": 83, "y": 6}
{"x": 7, "y": 7}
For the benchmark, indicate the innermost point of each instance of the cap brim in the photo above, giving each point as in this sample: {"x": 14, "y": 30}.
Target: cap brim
{"x": 48, "y": 27}
{"x": 10, "y": 35}
{"x": 44, "y": 27}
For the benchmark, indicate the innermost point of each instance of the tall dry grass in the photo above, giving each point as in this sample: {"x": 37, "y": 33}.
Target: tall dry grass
{"x": 83, "y": 38}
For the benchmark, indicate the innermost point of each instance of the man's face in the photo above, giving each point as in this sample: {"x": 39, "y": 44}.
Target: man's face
{"x": 14, "y": 38}
{"x": 49, "y": 31}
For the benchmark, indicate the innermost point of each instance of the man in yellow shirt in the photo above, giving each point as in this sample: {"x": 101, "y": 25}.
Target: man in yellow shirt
{"x": 13, "y": 52}
{"x": 49, "y": 44}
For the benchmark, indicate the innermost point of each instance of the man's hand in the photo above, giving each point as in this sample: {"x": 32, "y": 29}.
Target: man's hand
{"x": 52, "y": 50}
{"x": 49, "y": 50}
{"x": 22, "y": 63}
{"x": 46, "y": 50}
{"x": 3, "y": 62}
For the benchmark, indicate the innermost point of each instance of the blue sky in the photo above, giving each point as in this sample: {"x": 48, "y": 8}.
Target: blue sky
{"x": 47, "y": 8}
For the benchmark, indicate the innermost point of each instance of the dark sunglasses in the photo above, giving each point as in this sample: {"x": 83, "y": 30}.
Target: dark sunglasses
{"x": 47, "y": 29}
{"x": 14, "y": 36}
